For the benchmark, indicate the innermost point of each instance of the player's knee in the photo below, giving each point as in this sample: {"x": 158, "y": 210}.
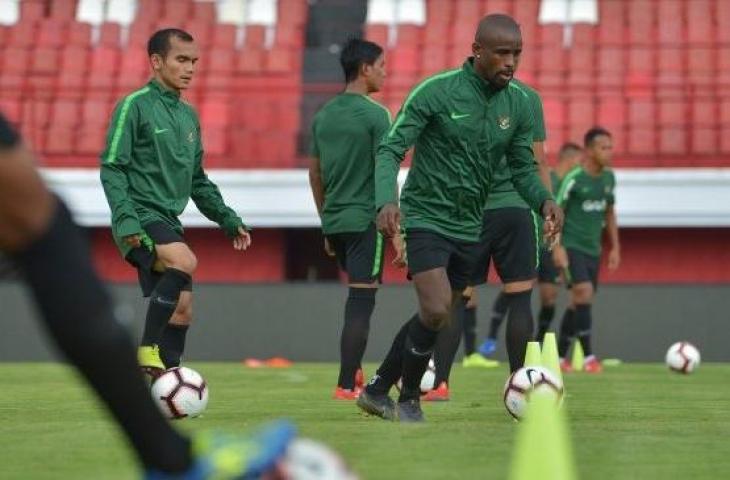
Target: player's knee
{"x": 436, "y": 315}
{"x": 582, "y": 294}
{"x": 186, "y": 262}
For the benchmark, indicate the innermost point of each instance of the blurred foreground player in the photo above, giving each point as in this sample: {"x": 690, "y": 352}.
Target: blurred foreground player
{"x": 345, "y": 134}
{"x": 37, "y": 232}
{"x": 587, "y": 195}
{"x": 151, "y": 167}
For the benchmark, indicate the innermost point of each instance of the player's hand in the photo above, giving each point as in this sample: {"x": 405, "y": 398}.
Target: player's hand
{"x": 243, "y": 240}
{"x": 388, "y": 220}
{"x": 133, "y": 240}
{"x": 399, "y": 245}
{"x": 554, "y": 218}
{"x": 328, "y": 248}
{"x": 614, "y": 259}
{"x": 560, "y": 257}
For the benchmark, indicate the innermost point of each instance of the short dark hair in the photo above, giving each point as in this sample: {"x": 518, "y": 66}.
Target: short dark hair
{"x": 568, "y": 148}
{"x": 593, "y": 133}
{"x": 355, "y": 53}
{"x": 159, "y": 42}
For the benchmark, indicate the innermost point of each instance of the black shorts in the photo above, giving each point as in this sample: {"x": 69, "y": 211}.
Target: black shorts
{"x": 360, "y": 254}
{"x": 509, "y": 237}
{"x": 547, "y": 272}
{"x": 427, "y": 250}
{"x": 143, "y": 258}
{"x": 582, "y": 268}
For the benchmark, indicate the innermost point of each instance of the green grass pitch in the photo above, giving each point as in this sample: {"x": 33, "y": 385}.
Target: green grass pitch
{"x": 631, "y": 422}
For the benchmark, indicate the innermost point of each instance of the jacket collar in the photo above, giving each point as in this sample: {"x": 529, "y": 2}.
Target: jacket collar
{"x": 482, "y": 85}
{"x": 168, "y": 96}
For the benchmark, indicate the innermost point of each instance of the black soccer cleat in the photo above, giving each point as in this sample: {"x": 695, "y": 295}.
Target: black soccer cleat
{"x": 410, "y": 411}
{"x": 379, "y": 405}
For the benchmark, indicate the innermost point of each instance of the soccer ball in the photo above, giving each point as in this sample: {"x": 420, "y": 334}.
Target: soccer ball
{"x": 683, "y": 357}
{"x": 180, "y": 392}
{"x": 307, "y": 459}
{"x": 526, "y": 381}
{"x": 427, "y": 380}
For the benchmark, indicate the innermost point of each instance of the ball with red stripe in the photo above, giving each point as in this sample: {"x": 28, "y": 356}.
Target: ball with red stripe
{"x": 528, "y": 381}
{"x": 683, "y": 357}
{"x": 180, "y": 392}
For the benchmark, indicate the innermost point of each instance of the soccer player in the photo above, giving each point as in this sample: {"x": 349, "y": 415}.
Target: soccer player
{"x": 587, "y": 194}
{"x": 37, "y": 232}
{"x": 150, "y": 169}
{"x": 462, "y": 122}
{"x": 570, "y": 156}
{"x": 345, "y": 134}
{"x": 509, "y": 237}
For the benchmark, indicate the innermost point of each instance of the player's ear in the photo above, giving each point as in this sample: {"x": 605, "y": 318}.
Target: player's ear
{"x": 156, "y": 61}
{"x": 476, "y": 49}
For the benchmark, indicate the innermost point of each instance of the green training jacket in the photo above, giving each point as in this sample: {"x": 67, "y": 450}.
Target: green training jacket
{"x": 152, "y": 165}
{"x": 461, "y": 127}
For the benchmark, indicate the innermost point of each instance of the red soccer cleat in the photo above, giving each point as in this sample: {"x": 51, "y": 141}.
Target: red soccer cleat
{"x": 346, "y": 394}
{"x": 565, "y": 366}
{"x": 438, "y": 394}
{"x": 592, "y": 365}
{"x": 359, "y": 379}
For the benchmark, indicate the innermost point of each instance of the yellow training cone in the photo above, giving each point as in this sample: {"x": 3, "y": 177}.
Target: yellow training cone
{"x": 577, "y": 360}
{"x": 533, "y": 357}
{"x": 550, "y": 358}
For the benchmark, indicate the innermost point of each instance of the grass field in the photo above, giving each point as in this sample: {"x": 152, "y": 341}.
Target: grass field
{"x": 632, "y": 422}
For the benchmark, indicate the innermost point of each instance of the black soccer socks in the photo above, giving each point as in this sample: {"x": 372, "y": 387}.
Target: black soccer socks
{"x": 392, "y": 367}
{"x": 358, "y": 310}
{"x": 583, "y": 324}
{"x": 567, "y": 332}
{"x": 417, "y": 352}
{"x": 172, "y": 344}
{"x": 499, "y": 310}
{"x": 519, "y": 327}
{"x": 447, "y": 343}
{"x": 544, "y": 319}
{"x": 163, "y": 303}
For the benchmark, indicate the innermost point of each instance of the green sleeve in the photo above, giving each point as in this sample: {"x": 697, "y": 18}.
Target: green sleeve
{"x": 115, "y": 160}
{"x": 610, "y": 196}
{"x": 208, "y": 198}
{"x": 538, "y": 131}
{"x": 566, "y": 185}
{"x": 410, "y": 122}
{"x": 522, "y": 165}
{"x": 381, "y": 124}
{"x": 314, "y": 148}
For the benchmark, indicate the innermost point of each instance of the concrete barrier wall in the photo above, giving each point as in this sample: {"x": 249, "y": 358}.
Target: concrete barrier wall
{"x": 302, "y": 321}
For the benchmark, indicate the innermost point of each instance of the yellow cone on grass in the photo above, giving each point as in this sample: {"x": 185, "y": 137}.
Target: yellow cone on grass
{"x": 543, "y": 448}
{"x": 577, "y": 360}
{"x": 533, "y": 357}
{"x": 550, "y": 358}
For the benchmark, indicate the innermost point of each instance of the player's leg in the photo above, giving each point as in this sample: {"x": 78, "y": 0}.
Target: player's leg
{"x": 363, "y": 261}
{"x": 172, "y": 341}
{"x": 499, "y": 312}
{"x": 566, "y": 334}
{"x": 515, "y": 255}
{"x": 468, "y": 308}
{"x": 548, "y": 278}
{"x": 582, "y": 297}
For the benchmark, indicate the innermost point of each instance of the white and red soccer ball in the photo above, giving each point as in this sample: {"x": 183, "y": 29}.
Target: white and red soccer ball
{"x": 683, "y": 357}
{"x": 528, "y": 381}
{"x": 427, "y": 380}
{"x": 180, "y": 392}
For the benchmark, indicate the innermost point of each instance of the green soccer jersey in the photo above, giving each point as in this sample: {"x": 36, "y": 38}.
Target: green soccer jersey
{"x": 502, "y": 192}
{"x": 152, "y": 165}
{"x": 345, "y": 135}
{"x": 461, "y": 127}
{"x": 585, "y": 199}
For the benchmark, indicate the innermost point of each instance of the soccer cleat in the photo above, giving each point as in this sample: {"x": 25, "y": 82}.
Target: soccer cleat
{"x": 565, "y": 366}
{"x": 592, "y": 365}
{"x": 476, "y": 360}
{"x": 488, "y": 348}
{"x": 346, "y": 393}
{"x": 359, "y": 379}
{"x": 149, "y": 360}
{"x": 379, "y": 405}
{"x": 438, "y": 394}
{"x": 410, "y": 412}
{"x": 228, "y": 457}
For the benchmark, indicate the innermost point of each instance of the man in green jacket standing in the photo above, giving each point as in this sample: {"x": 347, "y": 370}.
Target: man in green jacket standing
{"x": 150, "y": 169}
{"x": 462, "y": 123}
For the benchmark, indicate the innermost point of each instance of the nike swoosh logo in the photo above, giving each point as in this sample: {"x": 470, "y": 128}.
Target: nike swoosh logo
{"x": 160, "y": 130}
{"x": 457, "y": 116}
{"x": 165, "y": 301}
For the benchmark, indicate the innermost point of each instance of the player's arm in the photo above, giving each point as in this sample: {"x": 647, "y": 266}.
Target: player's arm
{"x": 207, "y": 197}
{"x": 538, "y": 140}
{"x": 614, "y": 255}
{"x": 560, "y": 256}
{"x": 315, "y": 172}
{"x": 526, "y": 180}
{"x": 413, "y": 117}
{"x": 113, "y": 171}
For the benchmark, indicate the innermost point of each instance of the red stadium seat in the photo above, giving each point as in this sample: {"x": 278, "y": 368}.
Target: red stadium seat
{"x": 673, "y": 113}
{"x": 139, "y": 33}
{"x": 497, "y": 6}
{"x": 582, "y": 113}
{"x": 554, "y": 110}
{"x": 63, "y": 9}
{"x": 59, "y": 140}
{"x": 410, "y": 35}
{"x": 551, "y": 36}
{"x": 670, "y": 22}
{"x": 642, "y": 141}
{"x": 438, "y": 10}
{"x": 51, "y": 33}
{"x": 581, "y": 64}
{"x": 201, "y": 30}
{"x": 673, "y": 141}
{"x": 705, "y": 113}
{"x": 612, "y": 112}
{"x": 96, "y": 113}
{"x": 436, "y": 60}
{"x": 700, "y": 23}
{"x": 249, "y": 61}
{"x": 79, "y": 34}
{"x": 612, "y": 23}
{"x": 291, "y": 12}
{"x": 104, "y": 63}
{"x": 65, "y": 113}
{"x": 704, "y": 141}
{"x": 641, "y": 68}
{"x": 176, "y": 12}
{"x": 214, "y": 113}
{"x": 218, "y": 61}
{"x": 405, "y": 59}
{"x": 224, "y": 36}
{"x": 90, "y": 140}
{"x": 204, "y": 12}
{"x": 642, "y": 113}
{"x": 12, "y": 108}
{"x": 21, "y": 34}
{"x": 279, "y": 60}
{"x": 149, "y": 10}
{"x": 255, "y": 36}
{"x": 701, "y": 66}
{"x": 670, "y": 66}
{"x": 110, "y": 35}
{"x": 44, "y": 61}
{"x": 36, "y": 113}
{"x": 433, "y": 34}
{"x": 32, "y": 10}
{"x": 551, "y": 67}
{"x": 611, "y": 67}
{"x": 14, "y": 61}
{"x": 641, "y": 21}
{"x": 215, "y": 141}
{"x": 378, "y": 33}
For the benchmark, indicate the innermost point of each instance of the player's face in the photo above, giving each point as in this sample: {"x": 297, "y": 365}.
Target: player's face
{"x": 602, "y": 150}
{"x": 497, "y": 56}
{"x": 375, "y": 74}
{"x": 176, "y": 70}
